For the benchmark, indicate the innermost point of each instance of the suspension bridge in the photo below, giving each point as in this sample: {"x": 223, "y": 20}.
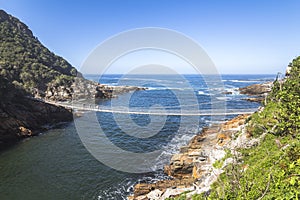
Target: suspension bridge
{"x": 161, "y": 111}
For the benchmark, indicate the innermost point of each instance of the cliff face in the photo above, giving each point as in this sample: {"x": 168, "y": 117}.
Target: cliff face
{"x": 29, "y": 70}
{"x": 85, "y": 89}
{"x": 257, "y": 91}
{"x": 23, "y": 116}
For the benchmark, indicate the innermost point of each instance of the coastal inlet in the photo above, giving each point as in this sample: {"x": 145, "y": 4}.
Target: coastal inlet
{"x": 57, "y": 165}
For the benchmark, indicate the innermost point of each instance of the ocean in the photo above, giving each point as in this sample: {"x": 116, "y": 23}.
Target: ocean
{"x": 56, "y": 164}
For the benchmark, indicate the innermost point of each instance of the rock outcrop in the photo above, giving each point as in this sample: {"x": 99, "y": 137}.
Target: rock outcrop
{"x": 31, "y": 73}
{"x": 192, "y": 168}
{"x": 28, "y": 118}
{"x": 258, "y": 91}
{"x": 85, "y": 89}
{"x": 23, "y": 116}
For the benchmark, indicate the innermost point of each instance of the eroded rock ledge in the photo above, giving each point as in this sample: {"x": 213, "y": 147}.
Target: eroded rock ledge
{"x": 192, "y": 168}
{"x": 22, "y": 115}
{"x": 26, "y": 117}
{"x": 85, "y": 89}
{"x": 257, "y": 91}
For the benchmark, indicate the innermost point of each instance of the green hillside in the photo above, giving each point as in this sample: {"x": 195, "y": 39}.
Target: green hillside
{"x": 25, "y": 61}
{"x": 26, "y": 68}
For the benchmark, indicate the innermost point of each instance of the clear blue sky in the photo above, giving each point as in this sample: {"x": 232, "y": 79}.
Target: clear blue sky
{"x": 251, "y": 36}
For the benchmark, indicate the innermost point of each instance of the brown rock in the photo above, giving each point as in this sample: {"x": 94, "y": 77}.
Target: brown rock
{"x": 255, "y": 99}
{"x": 142, "y": 189}
{"x": 192, "y": 163}
{"x": 24, "y": 117}
{"x": 235, "y": 122}
{"x": 257, "y": 89}
{"x": 196, "y": 174}
{"x": 25, "y": 132}
{"x": 184, "y": 149}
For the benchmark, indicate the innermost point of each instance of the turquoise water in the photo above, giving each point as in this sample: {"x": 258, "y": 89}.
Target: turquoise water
{"x": 56, "y": 165}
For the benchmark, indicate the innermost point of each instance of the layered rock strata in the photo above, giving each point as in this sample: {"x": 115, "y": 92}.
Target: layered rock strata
{"x": 257, "y": 91}
{"x": 26, "y": 117}
{"x": 192, "y": 168}
{"x": 85, "y": 89}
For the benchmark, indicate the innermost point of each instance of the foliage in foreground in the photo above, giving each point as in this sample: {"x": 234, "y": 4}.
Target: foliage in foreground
{"x": 272, "y": 169}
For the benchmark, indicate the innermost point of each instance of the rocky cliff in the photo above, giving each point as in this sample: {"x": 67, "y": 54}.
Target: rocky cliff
{"x": 29, "y": 74}
{"x": 257, "y": 91}
{"x": 84, "y": 89}
{"x": 27, "y": 69}
{"x": 248, "y": 157}
{"x": 23, "y": 116}
{"x": 192, "y": 169}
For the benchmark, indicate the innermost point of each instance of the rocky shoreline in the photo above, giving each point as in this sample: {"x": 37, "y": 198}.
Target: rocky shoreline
{"x": 192, "y": 170}
{"x": 26, "y": 117}
{"x": 22, "y": 115}
{"x": 30, "y": 76}
{"x": 84, "y": 89}
{"x": 257, "y": 91}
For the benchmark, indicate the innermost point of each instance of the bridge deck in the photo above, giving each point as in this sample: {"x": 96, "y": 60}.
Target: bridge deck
{"x": 161, "y": 112}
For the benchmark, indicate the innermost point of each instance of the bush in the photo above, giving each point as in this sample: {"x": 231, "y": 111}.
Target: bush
{"x": 273, "y": 167}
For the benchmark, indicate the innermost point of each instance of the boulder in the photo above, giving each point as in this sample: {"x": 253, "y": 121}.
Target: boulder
{"x": 192, "y": 169}
{"x": 25, "y": 132}
{"x": 257, "y": 89}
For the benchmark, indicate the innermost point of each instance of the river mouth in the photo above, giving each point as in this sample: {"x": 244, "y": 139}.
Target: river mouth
{"x": 56, "y": 165}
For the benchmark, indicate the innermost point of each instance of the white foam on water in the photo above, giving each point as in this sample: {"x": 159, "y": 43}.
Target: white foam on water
{"x": 200, "y": 92}
{"x": 169, "y": 88}
{"x": 179, "y": 140}
{"x": 125, "y": 188}
{"x": 243, "y": 81}
{"x": 223, "y": 98}
{"x": 234, "y": 91}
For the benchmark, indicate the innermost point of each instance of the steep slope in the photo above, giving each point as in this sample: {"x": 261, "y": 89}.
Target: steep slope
{"x": 270, "y": 170}
{"x": 23, "y": 116}
{"x": 27, "y": 69}
{"x": 25, "y": 62}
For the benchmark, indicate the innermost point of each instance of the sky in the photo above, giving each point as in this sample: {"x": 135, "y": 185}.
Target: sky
{"x": 241, "y": 37}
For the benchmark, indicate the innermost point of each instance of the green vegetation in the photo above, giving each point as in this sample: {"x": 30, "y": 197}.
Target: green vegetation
{"x": 272, "y": 169}
{"x": 8, "y": 90}
{"x": 281, "y": 115}
{"x": 180, "y": 197}
{"x": 25, "y": 61}
{"x": 268, "y": 171}
{"x": 219, "y": 163}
